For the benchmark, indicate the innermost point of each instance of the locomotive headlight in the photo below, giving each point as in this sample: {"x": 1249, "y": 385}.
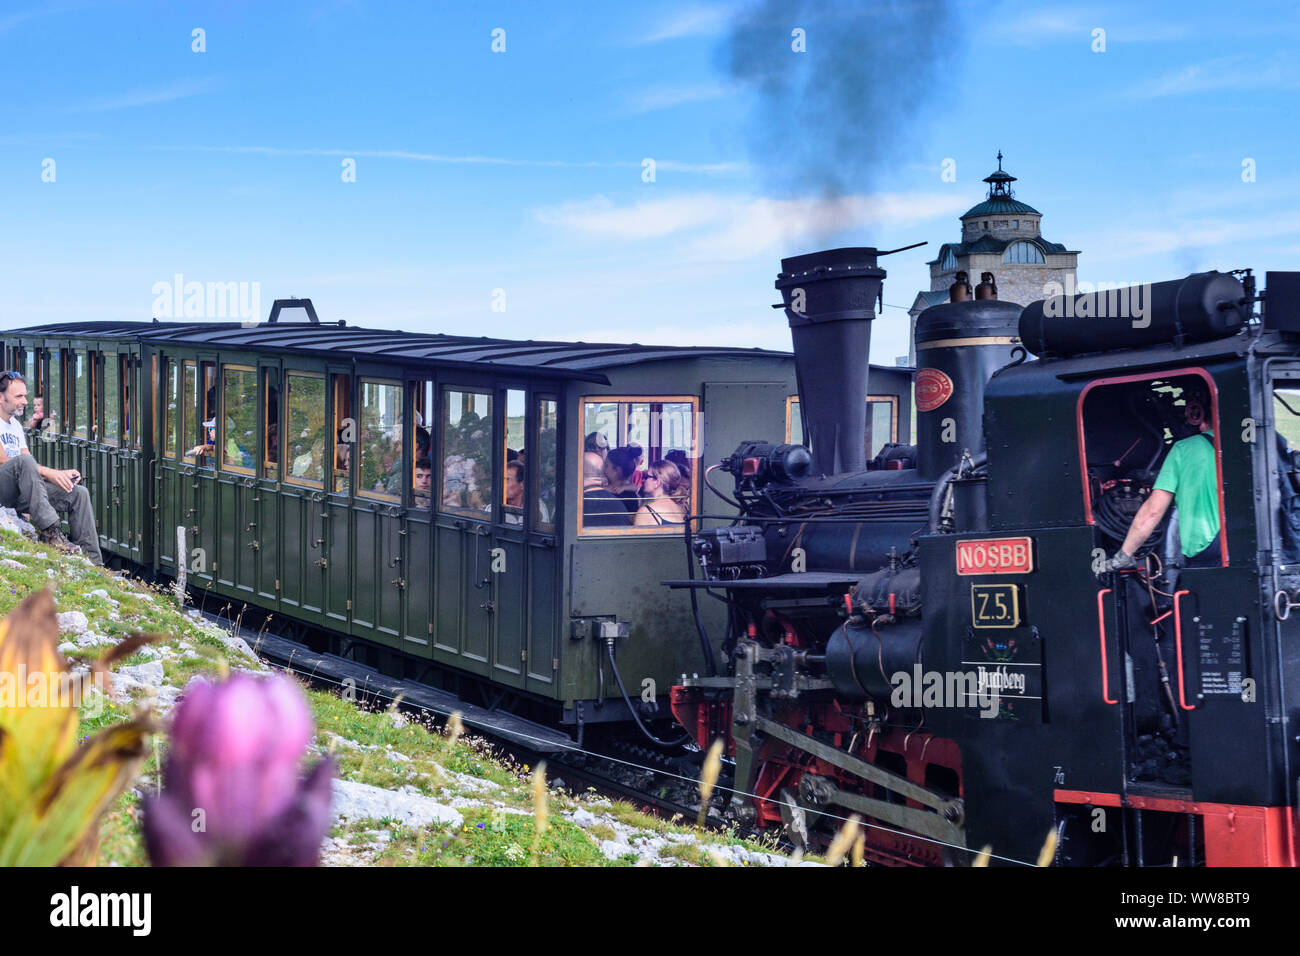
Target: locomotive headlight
{"x": 762, "y": 462}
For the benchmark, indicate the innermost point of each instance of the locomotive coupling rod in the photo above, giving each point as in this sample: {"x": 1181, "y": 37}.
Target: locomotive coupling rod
{"x": 868, "y": 771}
{"x": 816, "y": 790}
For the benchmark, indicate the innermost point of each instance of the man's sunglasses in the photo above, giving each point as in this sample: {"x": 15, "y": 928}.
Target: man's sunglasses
{"x": 7, "y": 376}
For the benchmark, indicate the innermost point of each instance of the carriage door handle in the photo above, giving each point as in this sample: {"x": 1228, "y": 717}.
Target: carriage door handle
{"x": 479, "y": 532}
{"x": 250, "y": 525}
{"x": 316, "y": 497}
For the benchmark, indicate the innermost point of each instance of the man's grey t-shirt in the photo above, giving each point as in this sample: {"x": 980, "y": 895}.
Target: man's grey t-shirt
{"x": 12, "y": 436}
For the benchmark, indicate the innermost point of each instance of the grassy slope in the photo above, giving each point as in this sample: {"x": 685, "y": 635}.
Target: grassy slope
{"x": 379, "y": 748}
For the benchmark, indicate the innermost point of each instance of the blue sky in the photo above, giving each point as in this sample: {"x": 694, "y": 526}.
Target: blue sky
{"x": 522, "y": 170}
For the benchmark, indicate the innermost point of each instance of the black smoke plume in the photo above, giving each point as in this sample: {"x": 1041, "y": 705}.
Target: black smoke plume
{"x": 874, "y": 75}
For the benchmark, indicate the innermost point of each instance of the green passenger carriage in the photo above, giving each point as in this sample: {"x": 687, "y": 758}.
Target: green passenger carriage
{"x": 276, "y": 465}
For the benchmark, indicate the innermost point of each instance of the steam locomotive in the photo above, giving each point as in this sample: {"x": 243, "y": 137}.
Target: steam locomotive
{"x": 931, "y": 640}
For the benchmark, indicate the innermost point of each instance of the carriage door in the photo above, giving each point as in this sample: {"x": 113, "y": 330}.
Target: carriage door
{"x": 465, "y": 500}
{"x": 129, "y": 484}
{"x": 116, "y": 534}
{"x": 418, "y": 566}
{"x": 165, "y": 469}
{"x": 264, "y": 537}
{"x": 541, "y": 623}
{"x": 237, "y": 435}
{"x": 85, "y": 433}
{"x": 383, "y": 458}
{"x": 205, "y": 520}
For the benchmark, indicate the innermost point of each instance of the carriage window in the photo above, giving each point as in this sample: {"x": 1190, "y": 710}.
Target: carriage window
{"x": 190, "y": 429}
{"x": 129, "y": 436}
{"x": 467, "y": 453}
{"x": 638, "y": 463}
{"x": 54, "y": 397}
{"x": 239, "y": 430}
{"x": 514, "y": 457}
{"x": 882, "y": 422}
{"x": 343, "y": 434}
{"x": 380, "y": 439}
{"x": 304, "y": 433}
{"x": 421, "y": 440}
{"x": 29, "y": 364}
{"x": 171, "y": 414}
{"x": 208, "y": 416}
{"x": 271, "y": 441}
{"x": 543, "y": 468}
{"x": 81, "y": 395}
{"x": 112, "y": 400}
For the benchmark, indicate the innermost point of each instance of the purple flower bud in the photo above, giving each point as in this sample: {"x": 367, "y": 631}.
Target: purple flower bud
{"x": 232, "y": 791}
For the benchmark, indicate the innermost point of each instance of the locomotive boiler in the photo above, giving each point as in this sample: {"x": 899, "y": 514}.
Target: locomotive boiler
{"x": 930, "y": 640}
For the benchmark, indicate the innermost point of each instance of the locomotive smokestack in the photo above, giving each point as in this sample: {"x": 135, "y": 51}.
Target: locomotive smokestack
{"x": 830, "y": 300}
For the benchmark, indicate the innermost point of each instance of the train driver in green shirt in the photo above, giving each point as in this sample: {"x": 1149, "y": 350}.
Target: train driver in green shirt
{"x": 1189, "y": 478}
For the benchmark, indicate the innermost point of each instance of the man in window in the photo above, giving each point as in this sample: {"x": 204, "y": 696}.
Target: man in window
{"x": 423, "y": 483}
{"x": 1189, "y": 478}
{"x": 31, "y": 487}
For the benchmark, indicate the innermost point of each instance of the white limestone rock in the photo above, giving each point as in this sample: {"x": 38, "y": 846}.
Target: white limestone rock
{"x": 361, "y": 801}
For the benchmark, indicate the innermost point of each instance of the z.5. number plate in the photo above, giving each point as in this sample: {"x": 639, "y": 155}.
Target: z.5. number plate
{"x": 995, "y": 605}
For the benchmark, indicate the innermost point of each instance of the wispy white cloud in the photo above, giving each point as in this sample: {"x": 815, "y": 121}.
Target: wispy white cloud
{"x": 1066, "y": 23}
{"x": 739, "y": 227}
{"x": 471, "y": 160}
{"x": 182, "y": 89}
{"x": 699, "y": 21}
{"x": 664, "y": 97}
{"x": 1129, "y": 241}
{"x": 1222, "y": 73}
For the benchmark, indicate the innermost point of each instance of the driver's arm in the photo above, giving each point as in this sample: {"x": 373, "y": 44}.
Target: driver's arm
{"x": 1145, "y": 521}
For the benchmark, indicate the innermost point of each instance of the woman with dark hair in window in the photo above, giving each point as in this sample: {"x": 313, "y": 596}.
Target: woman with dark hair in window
{"x": 660, "y": 493}
{"x": 620, "y": 466}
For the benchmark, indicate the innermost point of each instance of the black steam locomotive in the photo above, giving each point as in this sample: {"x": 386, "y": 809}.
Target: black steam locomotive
{"x": 931, "y": 639}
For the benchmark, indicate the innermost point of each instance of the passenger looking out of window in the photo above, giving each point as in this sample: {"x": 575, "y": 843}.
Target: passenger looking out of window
{"x": 209, "y": 446}
{"x": 423, "y": 483}
{"x": 38, "y": 414}
{"x": 600, "y": 509}
{"x": 661, "y": 491}
{"x": 514, "y": 493}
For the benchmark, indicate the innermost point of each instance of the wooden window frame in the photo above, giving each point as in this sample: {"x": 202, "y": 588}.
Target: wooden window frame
{"x": 416, "y": 388}
{"x": 649, "y": 531}
{"x": 76, "y": 393}
{"x": 219, "y": 447}
{"x": 356, "y": 465}
{"x": 489, "y": 516}
{"x": 53, "y": 360}
{"x": 792, "y": 400}
{"x": 285, "y": 476}
{"x": 184, "y": 413}
{"x": 532, "y": 474}
{"x": 264, "y": 372}
{"x": 116, "y": 360}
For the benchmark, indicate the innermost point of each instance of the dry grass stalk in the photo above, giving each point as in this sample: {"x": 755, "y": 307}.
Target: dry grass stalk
{"x": 540, "y": 809}
{"x": 454, "y": 728}
{"x": 858, "y": 855}
{"x": 843, "y": 840}
{"x": 985, "y": 855}
{"x": 708, "y": 778}
{"x": 1048, "y": 852}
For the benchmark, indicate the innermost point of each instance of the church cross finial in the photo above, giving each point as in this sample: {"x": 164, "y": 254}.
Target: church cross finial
{"x": 999, "y": 160}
